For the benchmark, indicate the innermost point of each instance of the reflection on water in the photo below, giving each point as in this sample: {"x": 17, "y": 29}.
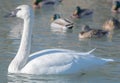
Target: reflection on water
{"x": 16, "y": 78}
{"x": 44, "y": 37}
{"x": 107, "y": 75}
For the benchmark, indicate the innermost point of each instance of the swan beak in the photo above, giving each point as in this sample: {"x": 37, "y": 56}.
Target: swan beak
{"x": 12, "y": 14}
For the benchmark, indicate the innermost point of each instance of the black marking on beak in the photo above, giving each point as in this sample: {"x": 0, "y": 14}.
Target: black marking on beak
{"x": 12, "y": 14}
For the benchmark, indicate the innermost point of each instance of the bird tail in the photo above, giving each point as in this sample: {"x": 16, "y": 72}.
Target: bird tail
{"x": 91, "y": 51}
{"x": 108, "y": 60}
{"x": 85, "y": 53}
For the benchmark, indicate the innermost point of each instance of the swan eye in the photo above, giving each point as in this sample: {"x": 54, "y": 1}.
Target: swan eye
{"x": 16, "y": 10}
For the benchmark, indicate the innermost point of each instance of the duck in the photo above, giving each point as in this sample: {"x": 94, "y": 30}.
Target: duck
{"x": 79, "y": 13}
{"x": 40, "y": 3}
{"x": 111, "y": 24}
{"x": 48, "y": 61}
{"x": 88, "y": 32}
{"x": 116, "y": 6}
{"x": 62, "y": 24}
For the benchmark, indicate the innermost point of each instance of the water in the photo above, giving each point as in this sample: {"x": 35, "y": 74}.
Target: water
{"x": 43, "y": 38}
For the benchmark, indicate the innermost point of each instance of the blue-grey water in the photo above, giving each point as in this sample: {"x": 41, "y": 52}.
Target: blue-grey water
{"x": 43, "y": 38}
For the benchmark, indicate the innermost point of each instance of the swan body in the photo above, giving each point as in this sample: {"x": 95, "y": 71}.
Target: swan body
{"x": 60, "y": 23}
{"x": 61, "y": 61}
{"x": 49, "y": 61}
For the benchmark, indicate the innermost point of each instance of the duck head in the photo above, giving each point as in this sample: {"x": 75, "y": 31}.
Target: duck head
{"x": 36, "y": 2}
{"x": 77, "y": 11}
{"x": 55, "y": 16}
{"x": 86, "y": 28}
{"x": 116, "y": 6}
{"x": 111, "y": 24}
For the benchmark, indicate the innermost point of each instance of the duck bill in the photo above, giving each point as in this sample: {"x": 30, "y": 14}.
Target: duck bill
{"x": 52, "y": 19}
{"x": 114, "y": 7}
{"x": 75, "y": 13}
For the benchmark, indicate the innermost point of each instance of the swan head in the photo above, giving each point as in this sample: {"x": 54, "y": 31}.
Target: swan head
{"x": 22, "y": 11}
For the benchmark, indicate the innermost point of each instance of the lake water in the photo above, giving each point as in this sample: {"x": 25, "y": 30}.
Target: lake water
{"x": 43, "y": 38}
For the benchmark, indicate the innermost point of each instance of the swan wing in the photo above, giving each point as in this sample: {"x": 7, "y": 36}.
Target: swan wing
{"x": 62, "y": 62}
{"x": 49, "y": 51}
{"x": 52, "y": 63}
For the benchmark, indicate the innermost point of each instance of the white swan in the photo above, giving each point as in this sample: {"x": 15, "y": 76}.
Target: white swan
{"x": 49, "y": 61}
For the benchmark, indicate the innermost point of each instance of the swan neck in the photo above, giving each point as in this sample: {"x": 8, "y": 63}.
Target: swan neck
{"x": 25, "y": 44}
{"x": 21, "y": 57}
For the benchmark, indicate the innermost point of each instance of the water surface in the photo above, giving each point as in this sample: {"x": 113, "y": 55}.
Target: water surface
{"x": 43, "y": 38}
